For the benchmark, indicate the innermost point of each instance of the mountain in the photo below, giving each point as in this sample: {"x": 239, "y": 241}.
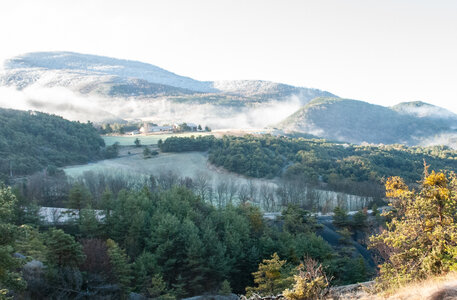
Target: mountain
{"x": 97, "y": 88}
{"x": 117, "y": 77}
{"x": 354, "y": 121}
{"x": 75, "y": 69}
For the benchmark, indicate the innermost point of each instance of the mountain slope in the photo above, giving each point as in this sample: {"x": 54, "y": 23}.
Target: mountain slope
{"x": 80, "y": 65}
{"x": 357, "y": 121}
{"x": 96, "y": 88}
{"x": 116, "y": 77}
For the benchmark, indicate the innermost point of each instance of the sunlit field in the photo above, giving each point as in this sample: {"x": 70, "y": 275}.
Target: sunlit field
{"x": 127, "y": 140}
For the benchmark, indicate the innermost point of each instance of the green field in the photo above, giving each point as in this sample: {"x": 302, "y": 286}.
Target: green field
{"x": 127, "y": 140}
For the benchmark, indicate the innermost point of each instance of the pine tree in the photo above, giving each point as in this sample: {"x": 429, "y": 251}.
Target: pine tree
{"x": 225, "y": 289}
{"x": 62, "y": 249}
{"x": 340, "y": 217}
{"x": 158, "y": 289}
{"x": 359, "y": 220}
{"x": 89, "y": 225}
{"x": 9, "y": 277}
{"x": 79, "y": 197}
{"x": 120, "y": 266}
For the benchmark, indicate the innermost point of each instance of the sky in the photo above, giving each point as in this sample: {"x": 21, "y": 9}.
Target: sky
{"x": 383, "y": 52}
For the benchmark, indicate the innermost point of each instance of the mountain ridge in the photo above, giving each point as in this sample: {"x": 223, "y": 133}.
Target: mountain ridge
{"x": 358, "y": 121}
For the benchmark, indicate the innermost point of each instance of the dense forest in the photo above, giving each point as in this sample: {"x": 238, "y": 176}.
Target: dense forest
{"x": 31, "y": 141}
{"x": 338, "y": 166}
{"x": 156, "y": 238}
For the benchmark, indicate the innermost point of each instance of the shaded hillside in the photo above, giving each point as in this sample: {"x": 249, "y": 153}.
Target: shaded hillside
{"x": 30, "y": 141}
{"x": 357, "y": 121}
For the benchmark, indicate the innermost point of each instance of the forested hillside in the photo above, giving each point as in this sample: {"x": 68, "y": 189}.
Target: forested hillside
{"x": 30, "y": 141}
{"x": 344, "y": 167}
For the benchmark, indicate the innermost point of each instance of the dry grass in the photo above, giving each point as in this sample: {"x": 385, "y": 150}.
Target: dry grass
{"x": 427, "y": 289}
{"x": 437, "y": 288}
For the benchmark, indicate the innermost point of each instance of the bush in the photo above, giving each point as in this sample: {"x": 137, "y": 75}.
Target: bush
{"x": 421, "y": 238}
{"x": 311, "y": 282}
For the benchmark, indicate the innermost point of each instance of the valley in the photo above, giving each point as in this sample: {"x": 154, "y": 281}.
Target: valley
{"x": 158, "y": 185}
{"x": 215, "y": 184}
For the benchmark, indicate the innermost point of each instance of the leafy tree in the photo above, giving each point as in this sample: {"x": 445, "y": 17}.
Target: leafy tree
{"x": 421, "y": 237}
{"x": 271, "y": 277}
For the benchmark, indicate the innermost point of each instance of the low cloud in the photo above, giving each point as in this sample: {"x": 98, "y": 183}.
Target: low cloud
{"x": 75, "y": 106}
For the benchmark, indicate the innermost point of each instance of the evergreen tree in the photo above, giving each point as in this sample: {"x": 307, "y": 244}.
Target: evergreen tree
{"x": 340, "y": 217}
{"x": 79, "y": 197}
{"x": 359, "y": 220}
{"x": 62, "y": 249}
{"x": 225, "y": 289}
{"x": 120, "y": 267}
{"x": 9, "y": 277}
{"x": 158, "y": 289}
{"x": 89, "y": 225}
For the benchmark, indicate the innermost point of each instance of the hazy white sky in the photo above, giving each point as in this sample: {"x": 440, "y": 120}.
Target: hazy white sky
{"x": 383, "y": 52}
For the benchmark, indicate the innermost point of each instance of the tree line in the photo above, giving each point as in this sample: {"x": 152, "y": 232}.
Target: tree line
{"x": 356, "y": 169}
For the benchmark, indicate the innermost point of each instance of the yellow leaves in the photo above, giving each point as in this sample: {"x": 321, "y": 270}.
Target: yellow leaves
{"x": 396, "y": 187}
{"x": 421, "y": 237}
{"x": 311, "y": 282}
{"x": 436, "y": 180}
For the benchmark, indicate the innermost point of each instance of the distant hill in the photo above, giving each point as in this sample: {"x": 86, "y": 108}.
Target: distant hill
{"x": 356, "y": 121}
{"x": 31, "y": 141}
{"x": 424, "y": 110}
